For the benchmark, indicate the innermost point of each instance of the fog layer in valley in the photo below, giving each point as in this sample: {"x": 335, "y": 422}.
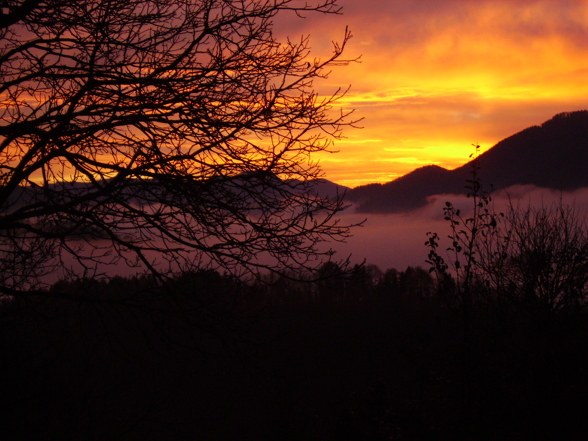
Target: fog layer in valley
{"x": 398, "y": 240}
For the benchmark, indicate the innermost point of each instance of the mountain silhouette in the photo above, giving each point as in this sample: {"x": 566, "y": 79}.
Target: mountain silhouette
{"x": 553, "y": 155}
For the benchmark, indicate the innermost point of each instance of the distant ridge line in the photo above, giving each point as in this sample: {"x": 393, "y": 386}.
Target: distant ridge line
{"x": 551, "y": 155}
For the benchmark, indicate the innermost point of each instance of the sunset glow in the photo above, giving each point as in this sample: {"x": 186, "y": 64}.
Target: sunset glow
{"x": 436, "y": 77}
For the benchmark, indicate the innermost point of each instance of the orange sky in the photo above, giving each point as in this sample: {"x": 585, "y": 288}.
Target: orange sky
{"x": 439, "y": 75}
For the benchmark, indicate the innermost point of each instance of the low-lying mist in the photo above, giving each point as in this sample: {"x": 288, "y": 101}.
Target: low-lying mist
{"x": 398, "y": 240}
{"x": 386, "y": 240}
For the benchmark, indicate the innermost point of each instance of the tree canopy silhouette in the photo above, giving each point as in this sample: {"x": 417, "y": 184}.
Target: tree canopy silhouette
{"x": 131, "y": 129}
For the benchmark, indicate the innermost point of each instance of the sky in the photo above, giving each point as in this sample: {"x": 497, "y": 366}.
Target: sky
{"x": 437, "y": 76}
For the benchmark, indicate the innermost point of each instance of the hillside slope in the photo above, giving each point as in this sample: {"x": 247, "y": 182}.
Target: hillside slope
{"x": 552, "y": 155}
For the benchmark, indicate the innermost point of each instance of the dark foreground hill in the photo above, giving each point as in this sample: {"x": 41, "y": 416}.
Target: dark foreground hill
{"x": 553, "y": 155}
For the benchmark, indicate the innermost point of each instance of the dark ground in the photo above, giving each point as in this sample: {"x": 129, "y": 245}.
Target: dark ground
{"x": 206, "y": 359}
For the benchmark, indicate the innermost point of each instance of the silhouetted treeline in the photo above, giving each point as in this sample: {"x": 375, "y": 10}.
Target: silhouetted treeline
{"x": 349, "y": 354}
{"x": 331, "y": 283}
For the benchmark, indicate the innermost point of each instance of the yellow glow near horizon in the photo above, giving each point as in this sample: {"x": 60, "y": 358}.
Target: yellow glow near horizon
{"x": 437, "y": 77}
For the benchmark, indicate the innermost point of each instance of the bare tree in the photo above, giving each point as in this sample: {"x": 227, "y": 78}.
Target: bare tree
{"x": 131, "y": 129}
{"x": 534, "y": 255}
{"x": 538, "y": 255}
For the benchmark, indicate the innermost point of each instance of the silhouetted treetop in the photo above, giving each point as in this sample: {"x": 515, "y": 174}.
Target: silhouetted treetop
{"x": 192, "y": 107}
